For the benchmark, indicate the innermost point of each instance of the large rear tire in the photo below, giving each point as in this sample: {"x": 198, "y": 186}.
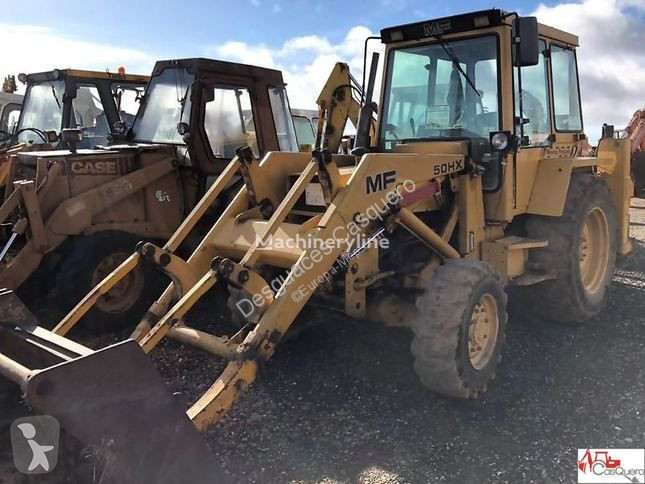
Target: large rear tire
{"x": 87, "y": 260}
{"x": 581, "y": 253}
{"x": 459, "y": 335}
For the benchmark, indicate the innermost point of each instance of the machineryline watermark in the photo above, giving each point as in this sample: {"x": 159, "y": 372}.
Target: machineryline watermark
{"x": 350, "y": 239}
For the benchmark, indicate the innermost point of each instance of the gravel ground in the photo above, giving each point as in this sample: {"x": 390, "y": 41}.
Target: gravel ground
{"x": 340, "y": 403}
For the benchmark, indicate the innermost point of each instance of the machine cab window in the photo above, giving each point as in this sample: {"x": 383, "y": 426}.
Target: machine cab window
{"x": 128, "y": 99}
{"x": 228, "y": 121}
{"x": 9, "y": 119}
{"x": 534, "y": 122}
{"x": 448, "y": 89}
{"x": 43, "y": 109}
{"x": 284, "y": 126}
{"x": 304, "y": 130}
{"x": 167, "y": 103}
{"x": 566, "y": 95}
{"x": 89, "y": 115}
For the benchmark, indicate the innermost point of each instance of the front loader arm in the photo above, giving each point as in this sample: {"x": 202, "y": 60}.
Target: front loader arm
{"x": 70, "y": 218}
{"x": 233, "y": 252}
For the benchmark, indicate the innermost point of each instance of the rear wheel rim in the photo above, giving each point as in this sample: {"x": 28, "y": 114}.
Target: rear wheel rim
{"x": 483, "y": 331}
{"x": 594, "y": 251}
{"x": 122, "y": 296}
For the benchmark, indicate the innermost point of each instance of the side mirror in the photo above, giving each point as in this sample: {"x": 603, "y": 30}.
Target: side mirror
{"x": 526, "y": 42}
{"x": 72, "y": 136}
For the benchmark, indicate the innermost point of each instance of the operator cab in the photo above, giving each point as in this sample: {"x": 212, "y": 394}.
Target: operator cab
{"x": 445, "y": 79}
{"x": 210, "y": 108}
{"x": 92, "y": 102}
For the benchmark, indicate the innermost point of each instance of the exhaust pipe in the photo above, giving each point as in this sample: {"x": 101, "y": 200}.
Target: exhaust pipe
{"x": 362, "y": 144}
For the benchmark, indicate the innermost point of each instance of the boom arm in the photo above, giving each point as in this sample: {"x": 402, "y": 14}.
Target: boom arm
{"x": 636, "y": 131}
{"x": 337, "y": 103}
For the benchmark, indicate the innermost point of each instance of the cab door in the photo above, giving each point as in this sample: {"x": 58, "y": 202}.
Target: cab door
{"x": 533, "y": 124}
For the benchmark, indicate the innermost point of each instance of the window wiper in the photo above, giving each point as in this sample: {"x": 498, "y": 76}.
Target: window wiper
{"x": 455, "y": 62}
{"x": 182, "y": 102}
{"x": 56, "y": 97}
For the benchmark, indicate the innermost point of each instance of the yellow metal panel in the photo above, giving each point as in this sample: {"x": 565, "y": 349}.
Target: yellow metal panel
{"x": 552, "y": 184}
{"x": 616, "y": 171}
{"x": 558, "y": 35}
{"x": 434, "y": 147}
{"x": 106, "y": 75}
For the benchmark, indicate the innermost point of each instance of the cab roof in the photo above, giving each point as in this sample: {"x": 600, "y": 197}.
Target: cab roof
{"x": 464, "y": 23}
{"x": 203, "y": 66}
{"x": 59, "y": 74}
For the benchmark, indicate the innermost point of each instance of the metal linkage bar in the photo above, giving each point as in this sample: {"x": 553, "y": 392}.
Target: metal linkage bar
{"x": 178, "y": 311}
{"x": 103, "y": 287}
{"x": 281, "y": 212}
{"x": 219, "y": 346}
{"x": 14, "y": 371}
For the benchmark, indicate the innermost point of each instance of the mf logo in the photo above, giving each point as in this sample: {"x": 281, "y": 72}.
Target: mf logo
{"x": 35, "y": 444}
{"x": 380, "y": 181}
{"x": 436, "y": 28}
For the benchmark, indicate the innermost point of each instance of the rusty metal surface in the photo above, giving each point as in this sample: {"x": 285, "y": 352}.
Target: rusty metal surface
{"x": 115, "y": 401}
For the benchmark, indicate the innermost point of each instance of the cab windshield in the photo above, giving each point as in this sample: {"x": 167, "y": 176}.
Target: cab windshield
{"x": 42, "y": 109}
{"x": 166, "y": 104}
{"x": 444, "y": 90}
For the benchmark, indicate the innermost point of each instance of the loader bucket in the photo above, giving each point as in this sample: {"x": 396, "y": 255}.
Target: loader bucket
{"x": 114, "y": 400}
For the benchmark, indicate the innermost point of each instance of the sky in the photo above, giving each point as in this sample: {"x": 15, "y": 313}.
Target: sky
{"x": 304, "y": 38}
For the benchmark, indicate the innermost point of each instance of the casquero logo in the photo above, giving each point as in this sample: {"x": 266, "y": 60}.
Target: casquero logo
{"x": 611, "y": 465}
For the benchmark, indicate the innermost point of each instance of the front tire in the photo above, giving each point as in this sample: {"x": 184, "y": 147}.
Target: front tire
{"x": 87, "y": 260}
{"x": 459, "y": 335}
{"x": 581, "y": 253}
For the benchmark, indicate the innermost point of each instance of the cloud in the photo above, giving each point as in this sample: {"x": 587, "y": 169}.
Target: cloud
{"x": 43, "y": 49}
{"x": 611, "y": 58}
{"x": 305, "y": 61}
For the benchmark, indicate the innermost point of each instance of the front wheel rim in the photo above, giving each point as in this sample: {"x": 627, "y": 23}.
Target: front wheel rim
{"x": 483, "y": 331}
{"x": 594, "y": 251}
{"x": 124, "y": 294}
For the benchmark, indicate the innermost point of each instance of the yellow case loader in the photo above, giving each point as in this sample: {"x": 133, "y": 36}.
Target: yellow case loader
{"x": 71, "y": 217}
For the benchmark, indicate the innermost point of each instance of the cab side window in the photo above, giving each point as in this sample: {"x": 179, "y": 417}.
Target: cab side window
{"x": 304, "y": 131}
{"x": 535, "y": 102}
{"x": 10, "y": 117}
{"x": 566, "y": 96}
{"x": 89, "y": 116}
{"x": 229, "y": 121}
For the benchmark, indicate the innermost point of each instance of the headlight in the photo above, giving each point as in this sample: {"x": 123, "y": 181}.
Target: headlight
{"x": 500, "y": 140}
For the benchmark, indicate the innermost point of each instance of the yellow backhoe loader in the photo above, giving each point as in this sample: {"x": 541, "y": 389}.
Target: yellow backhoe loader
{"x": 68, "y": 98}
{"x": 471, "y": 182}
{"x": 71, "y": 217}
